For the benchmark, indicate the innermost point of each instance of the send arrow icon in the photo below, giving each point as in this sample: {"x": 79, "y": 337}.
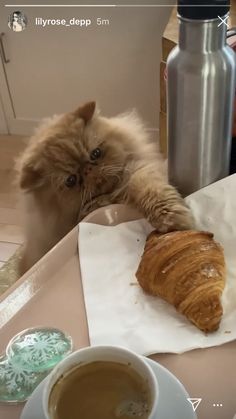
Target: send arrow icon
{"x": 194, "y": 402}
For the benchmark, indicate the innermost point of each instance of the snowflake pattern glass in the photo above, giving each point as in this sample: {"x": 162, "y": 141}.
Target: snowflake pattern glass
{"x": 30, "y": 356}
{"x": 17, "y": 384}
{"x": 39, "y": 349}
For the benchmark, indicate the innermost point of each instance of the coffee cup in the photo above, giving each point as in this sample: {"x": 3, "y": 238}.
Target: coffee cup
{"x": 112, "y": 363}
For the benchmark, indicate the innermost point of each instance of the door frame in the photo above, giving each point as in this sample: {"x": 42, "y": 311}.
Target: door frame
{"x": 3, "y": 122}
{"x": 9, "y": 124}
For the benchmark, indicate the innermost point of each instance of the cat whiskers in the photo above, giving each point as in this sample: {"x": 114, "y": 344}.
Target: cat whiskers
{"x": 112, "y": 168}
{"x": 114, "y": 175}
{"x": 114, "y": 171}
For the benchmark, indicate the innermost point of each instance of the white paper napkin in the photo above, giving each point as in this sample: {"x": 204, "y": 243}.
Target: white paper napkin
{"x": 118, "y": 311}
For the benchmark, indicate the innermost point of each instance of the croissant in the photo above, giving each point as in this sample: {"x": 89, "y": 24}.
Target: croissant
{"x": 186, "y": 269}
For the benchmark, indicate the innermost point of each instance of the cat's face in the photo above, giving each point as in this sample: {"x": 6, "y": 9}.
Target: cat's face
{"x": 75, "y": 158}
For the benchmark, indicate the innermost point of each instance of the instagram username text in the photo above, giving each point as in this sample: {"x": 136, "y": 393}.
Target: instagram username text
{"x": 39, "y": 21}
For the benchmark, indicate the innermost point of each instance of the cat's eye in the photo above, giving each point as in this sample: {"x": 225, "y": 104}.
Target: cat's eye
{"x": 95, "y": 154}
{"x": 71, "y": 181}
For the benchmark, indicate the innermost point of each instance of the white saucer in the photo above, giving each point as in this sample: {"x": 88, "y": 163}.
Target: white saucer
{"x": 173, "y": 401}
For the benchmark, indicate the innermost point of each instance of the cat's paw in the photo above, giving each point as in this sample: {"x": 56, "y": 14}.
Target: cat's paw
{"x": 177, "y": 217}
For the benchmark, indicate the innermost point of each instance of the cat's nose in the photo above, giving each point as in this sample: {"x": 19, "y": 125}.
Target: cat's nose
{"x": 87, "y": 169}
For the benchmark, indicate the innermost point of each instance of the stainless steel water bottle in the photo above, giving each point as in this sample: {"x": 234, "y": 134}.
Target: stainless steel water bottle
{"x": 200, "y": 92}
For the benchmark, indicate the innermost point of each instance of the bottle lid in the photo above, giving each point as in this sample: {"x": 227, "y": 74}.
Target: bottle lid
{"x": 203, "y": 9}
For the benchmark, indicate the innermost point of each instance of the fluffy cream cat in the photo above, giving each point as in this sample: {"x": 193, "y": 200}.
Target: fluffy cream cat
{"x": 80, "y": 161}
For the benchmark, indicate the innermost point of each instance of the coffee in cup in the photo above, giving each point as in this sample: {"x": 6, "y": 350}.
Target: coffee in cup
{"x": 101, "y": 390}
{"x": 101, "y": 383}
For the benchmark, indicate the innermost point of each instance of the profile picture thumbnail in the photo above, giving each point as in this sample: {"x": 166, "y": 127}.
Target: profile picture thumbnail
{"x": 17, "y": 21}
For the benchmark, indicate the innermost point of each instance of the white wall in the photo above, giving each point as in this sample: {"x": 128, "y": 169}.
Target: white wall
{"x": 54, "y": 69}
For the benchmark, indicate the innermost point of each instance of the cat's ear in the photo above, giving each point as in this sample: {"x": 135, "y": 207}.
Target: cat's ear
{"x": 86, "y": 111}
{"x": 30, "y": 175}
